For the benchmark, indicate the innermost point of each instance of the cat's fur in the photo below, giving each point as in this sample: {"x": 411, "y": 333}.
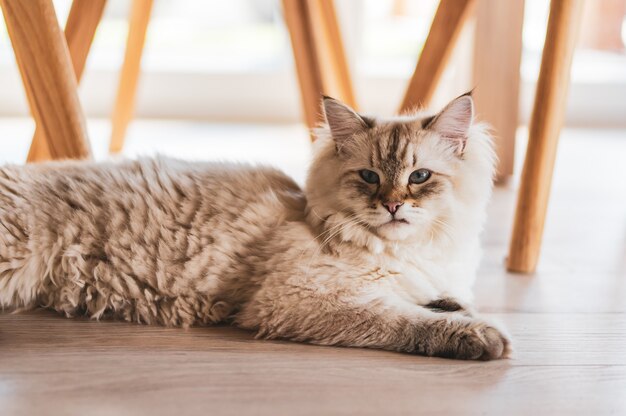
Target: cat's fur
{"x": 179, "y": 244}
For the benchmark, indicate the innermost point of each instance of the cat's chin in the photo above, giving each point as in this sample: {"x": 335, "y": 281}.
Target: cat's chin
{"x": 396, "y": 230}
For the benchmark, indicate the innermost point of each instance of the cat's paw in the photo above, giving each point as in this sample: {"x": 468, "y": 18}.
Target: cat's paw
{"x": 478, "y": 340}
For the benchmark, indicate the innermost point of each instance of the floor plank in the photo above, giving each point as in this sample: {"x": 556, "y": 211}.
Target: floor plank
{"x": 563, "y": 363}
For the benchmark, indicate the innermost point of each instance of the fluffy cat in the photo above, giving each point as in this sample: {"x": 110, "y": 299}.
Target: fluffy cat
{"x": 379, "y": 250}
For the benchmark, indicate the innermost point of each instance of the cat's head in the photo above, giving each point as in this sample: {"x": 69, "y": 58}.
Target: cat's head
{"x": 398, "y": 179}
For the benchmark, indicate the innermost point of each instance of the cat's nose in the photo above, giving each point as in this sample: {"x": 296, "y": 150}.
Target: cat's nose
{"x": 392, "y": 207}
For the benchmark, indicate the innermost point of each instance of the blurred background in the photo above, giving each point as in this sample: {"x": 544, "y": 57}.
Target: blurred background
{"x": 219, "y": 75}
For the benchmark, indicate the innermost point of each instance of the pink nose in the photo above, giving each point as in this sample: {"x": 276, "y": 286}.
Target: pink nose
{"x": 392, "y": 207}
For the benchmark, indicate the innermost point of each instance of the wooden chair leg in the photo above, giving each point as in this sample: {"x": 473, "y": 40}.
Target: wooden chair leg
{"x": 335, "y": 71}
{"x": 44, "y": 61}
{"x": 499, "y": 35}
{"x": 318, "y": 53}
{"x": 127, "y": 89}
{"x": 544, "y": 129}
{"x": 307, "y": 62}
{"x": 80, "y": 29}
{"x": 444, "y": 31}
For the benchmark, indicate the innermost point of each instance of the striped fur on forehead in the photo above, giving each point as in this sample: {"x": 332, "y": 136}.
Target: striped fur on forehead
{"x": 393, "y": 147}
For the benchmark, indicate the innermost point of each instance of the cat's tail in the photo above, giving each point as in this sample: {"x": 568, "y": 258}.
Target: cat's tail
{"x": 20, "y": 280}
{"x": 20, "y": 272}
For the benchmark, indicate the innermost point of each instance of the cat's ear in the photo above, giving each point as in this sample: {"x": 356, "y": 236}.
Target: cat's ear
{"x": 342, "y": 120}
{"x": 454, "y": 121}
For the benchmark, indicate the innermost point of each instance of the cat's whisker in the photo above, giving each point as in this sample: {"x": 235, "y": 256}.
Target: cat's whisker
{"x": 317, "y": 215}
{"x": 337, "y": 229}
{"x": 344, "y": 229}
{"x": 444, "y": 227}
{"x": 332, "y": 232}
{"x": 317, "y": 237}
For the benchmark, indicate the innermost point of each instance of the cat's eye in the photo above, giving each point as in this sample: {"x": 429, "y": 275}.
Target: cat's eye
{"x": 419, "y": 176}
{"x": 369, "y": 176}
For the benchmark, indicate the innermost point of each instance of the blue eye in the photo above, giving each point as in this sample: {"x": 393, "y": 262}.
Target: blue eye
{"x": 419, "y": 176}
{"x": 369, "y": 176}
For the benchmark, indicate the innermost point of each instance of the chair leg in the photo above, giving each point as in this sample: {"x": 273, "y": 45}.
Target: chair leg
{"x": 127, "y": 89}
{"x": 497, "y": 92}
{"x": 335, "y": 71}
{"x": 307, "y": 62}
{"x": 80, "y": 29}
{"x": 444, "y": 31}
{"x": 46, "y": 69}
{"x": 318, "y": 53}
{"x": 544, "y": 129}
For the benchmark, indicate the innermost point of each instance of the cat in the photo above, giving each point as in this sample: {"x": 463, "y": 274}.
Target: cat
{"x": 379, "y": 250}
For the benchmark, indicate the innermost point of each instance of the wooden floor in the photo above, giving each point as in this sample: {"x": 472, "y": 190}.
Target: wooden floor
{"x": 568, "y": 323}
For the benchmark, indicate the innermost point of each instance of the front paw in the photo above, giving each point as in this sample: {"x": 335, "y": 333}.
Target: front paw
{"x": 476, "y": 340}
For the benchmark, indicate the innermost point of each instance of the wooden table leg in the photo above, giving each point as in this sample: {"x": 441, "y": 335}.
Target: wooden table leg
{"x": 444, "y": 31}
{"x": 46, "y": 69}
{"x": 127, "y": 89}
{"x": 544, "y": 129}
{"x": 319, "y": 55}
{"x": 80, "y": 29}
{"x": 497, "y": 58}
